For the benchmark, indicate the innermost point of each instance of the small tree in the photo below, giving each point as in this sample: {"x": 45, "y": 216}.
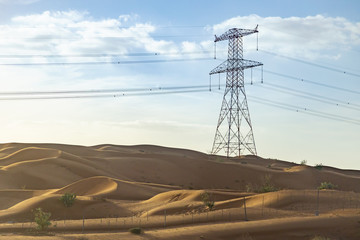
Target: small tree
{"x": 135, "y": 230}
{"x": 208, "y": 200}
{"x": 267, "y": 185}
{"x": 327, "y": 185}
{"x": 68, "y": 199}
{"x": 319, "y": 166}
{"x": 42, "y": 219}
{"x": 303, "y": 162}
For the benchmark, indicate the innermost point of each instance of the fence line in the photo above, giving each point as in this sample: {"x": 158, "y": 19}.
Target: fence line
{"x": 285, "y": 203}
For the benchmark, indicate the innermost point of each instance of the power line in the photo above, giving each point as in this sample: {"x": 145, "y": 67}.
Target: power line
{"x": 329, "y": 115}
{"x": 110, "y": 37}
{"x": 311, "y": 96}
{"x": 101, "y": 95}
{"x": 104, "y": 62}
{"x": 110, "y": 27}
{"x": 140, "y": 54}
{"x": 114, "y": 90}
{"x": 308, "y": 111}
{"x": 312, "y": 82}
{"x": 305, "y": 110}
{"x": 312, "y": 63}
{"x": 52, "y": 95}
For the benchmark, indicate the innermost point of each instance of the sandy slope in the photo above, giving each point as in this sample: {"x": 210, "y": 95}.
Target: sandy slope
{"x": 123, "y": 181}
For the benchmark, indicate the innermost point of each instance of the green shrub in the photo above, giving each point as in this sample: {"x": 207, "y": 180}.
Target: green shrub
{"x": 42, "y": 219}
{"x": 327, "y": 185}
{"x": 68, "y": 199}
{"x": 320, "y": 238}
{"x": 135, "y": 230}
{"x": 208, "y": 200}
{"x": 249, "y": 187}
{"x": 267, "y": 186}
{"x": 319, "y": 166}
{"x": 303, "y": 162}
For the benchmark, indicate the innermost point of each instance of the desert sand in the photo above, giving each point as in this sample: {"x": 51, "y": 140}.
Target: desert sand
{"x": 162, "y": 191}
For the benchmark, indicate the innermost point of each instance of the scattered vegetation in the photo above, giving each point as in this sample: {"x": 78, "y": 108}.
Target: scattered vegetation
{"x": 208, "y": 200}
{"x": 319, "y": 166}
{"x": 327, "y": 185}
{"x": 320, "y": 238}
{"x": 266, "y": 186}
{"x": 135, "y": 230}
{"x": 220, "y": 160}
{"x": 303, "y": 162}
{"x": 246, "y": 236}
{"x": 68, "y": 199}
{"x": 42, "y": 219}
{"x": 249, "y": 187}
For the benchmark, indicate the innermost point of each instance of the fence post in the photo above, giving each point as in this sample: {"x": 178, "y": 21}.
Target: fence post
{"x": 317, "y": 203}
{"x": 246, "y": 219}
{"x": 83, "y": 225}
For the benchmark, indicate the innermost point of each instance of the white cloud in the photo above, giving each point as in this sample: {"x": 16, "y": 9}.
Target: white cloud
{"x": 18, "y": 2}
{"x": 310, "y": 37}
{"x": 74, "y": 32}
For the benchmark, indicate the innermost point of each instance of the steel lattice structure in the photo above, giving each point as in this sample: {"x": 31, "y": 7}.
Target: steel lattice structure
{"x": 234, "y": 132}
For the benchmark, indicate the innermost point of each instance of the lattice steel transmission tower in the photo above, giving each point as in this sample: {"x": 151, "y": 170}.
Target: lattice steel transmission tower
{"x": 234, "y": 132}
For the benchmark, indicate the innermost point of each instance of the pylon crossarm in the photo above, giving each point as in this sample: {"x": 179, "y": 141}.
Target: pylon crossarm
{"x": 232, "y": 65}
{"x": 235, "y": 33}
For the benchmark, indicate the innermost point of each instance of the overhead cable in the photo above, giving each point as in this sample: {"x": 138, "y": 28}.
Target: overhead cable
{"x": 312, "y": 63}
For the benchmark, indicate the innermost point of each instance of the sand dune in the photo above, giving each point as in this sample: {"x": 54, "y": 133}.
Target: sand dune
{"x": 144, "y": 180}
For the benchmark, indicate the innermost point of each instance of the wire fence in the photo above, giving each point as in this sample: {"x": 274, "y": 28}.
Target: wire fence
{"x": 281, "y": 204}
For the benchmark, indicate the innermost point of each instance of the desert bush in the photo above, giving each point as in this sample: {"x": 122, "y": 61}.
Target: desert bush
{"x": 135, "y": 230}
{"x": 319, "y": 166}
{"x": 327, "y": 185}
{"x": 208, "y": 200}
{"x": 42, "y": 219}
{"x": 246, "y": 236}
{"x": 303, "y": 162}
{"x": 267, "y": 185}
{"x": 249, "y": 187}
{"x": 320, "y": 238}
{"x": 68, "y": 199}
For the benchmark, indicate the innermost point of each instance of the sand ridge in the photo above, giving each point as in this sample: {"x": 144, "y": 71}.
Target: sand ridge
{"x": 145, "y": 180}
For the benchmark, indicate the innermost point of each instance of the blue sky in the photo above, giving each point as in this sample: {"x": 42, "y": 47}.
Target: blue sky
{"x": 326, "y": 33}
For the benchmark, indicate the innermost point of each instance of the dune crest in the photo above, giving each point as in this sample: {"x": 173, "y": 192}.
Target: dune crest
{"x": 90, "y": 186}
{"x": 147, "y": 181}
{"x": 26, "y": 155}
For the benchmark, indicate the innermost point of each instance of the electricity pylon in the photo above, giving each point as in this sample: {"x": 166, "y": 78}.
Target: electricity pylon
{"x": 234, "y": 132}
